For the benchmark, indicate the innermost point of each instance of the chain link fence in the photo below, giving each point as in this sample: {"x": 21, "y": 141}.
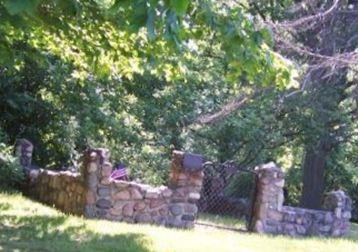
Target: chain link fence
{"x": 228, "y": 191}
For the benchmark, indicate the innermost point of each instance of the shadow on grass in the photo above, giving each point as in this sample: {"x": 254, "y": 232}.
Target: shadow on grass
{"x": 46, "y": 233}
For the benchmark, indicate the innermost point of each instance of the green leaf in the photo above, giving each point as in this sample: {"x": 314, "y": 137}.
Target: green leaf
{"x": 6, "y": 57}
{"x": 15, "y": 7}
{"x": 69, "y": 7}
{"x": 267, "y": 35}
{"x": 179, "y": 6}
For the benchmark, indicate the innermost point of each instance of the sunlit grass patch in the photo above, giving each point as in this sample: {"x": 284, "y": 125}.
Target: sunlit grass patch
{"x": 26, "y": 225}
{"x": 215, "y": 220}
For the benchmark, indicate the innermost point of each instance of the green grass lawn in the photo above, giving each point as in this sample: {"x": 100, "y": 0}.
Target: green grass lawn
{"x": 221, "y": 221}
{"x": 29, "y": 226}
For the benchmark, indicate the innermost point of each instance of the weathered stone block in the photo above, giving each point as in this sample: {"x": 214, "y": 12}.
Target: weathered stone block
{"x": 177, "y": 160}
{"x": 61, "y": 198}
{"x": 181, "y": 192}
{"x": 103, "y": 191}
{"x": 190, "y": 208}
{"x": 338, "y": 212}
{"x": 106, "y": 169}
{"x": 280, "y": 183}
{"x": 119, "y": 204}
{"x": 328, "y": 219}
{"x": 326, "y": 228}
{"x": 143, "y": 218}
{"x": 106, "y": 181}
{"x": 182, "y": 182}
{"x": 103, "y": 204}
{"x": 139, "y": 206}
{"x": 194, "y": 196}
{"x": 101, "y": 213}
{"x": 135, "y": 194}
{"x": 154, "y": 203}
{"x": 299, "y": 220}
{"x": 79, "y": 189}
{"x": 152, "y": 194}
{"x": 271, "y": 229}
{"x": 159, "y": 220}
{"x": 182, "y": 176}
{"x": 301, "y": 229}
{"x": 154, "y": 213}
{"x": 128, "y": 219}
{"x": 90, "y": 211}
{"x": 174, "y": 222}
{"x": 56, "y": 181}
{"x": 176, "y": 209}
{"x": 116, "y": 211}
{"x": 121, "y": 184}
{"x": 128, "y": 209}
{"x": 92, "y": 167}
{"x": 92, "y": 181}
{"x": 275, "y": 215}
{"x": 122, "y": 195}
{"x": 289, "y": 227}
{"x": 336, "y": 232}
{"x": 163, "y": 211}
{"x": 188, "y": 217}
{"x": 167, "y": 193}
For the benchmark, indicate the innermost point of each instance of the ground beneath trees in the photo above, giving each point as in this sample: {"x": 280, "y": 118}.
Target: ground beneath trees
{"x": 26, "y": 225}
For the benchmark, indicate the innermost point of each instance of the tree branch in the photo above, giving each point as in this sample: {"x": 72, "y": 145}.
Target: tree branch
{"x": 307, "y": 19}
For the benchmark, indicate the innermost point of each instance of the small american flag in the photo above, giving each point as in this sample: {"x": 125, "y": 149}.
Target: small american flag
{"x": 119, "y": 173}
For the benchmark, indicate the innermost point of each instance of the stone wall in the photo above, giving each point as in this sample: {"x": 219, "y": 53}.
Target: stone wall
{"x": 94, "y": 195}
{"x": 64, "y": 190}
{"x": 173, "y": 205}
{"x": 270, "y": 216}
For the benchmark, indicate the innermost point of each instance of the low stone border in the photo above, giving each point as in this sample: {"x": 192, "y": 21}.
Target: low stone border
{"x": 173, "y": 205}
{"x": 270, "y": 216}
{"x": 64, "y": 190}
{"x": 95, "y": 195}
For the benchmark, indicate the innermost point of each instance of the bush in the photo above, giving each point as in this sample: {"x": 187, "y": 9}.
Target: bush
{"x": 11, "y": 173}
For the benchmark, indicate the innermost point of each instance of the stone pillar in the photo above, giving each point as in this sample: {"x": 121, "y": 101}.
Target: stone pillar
{"x": 268, "y": 199}
{"x": 186, "y": 178}
{"x": 97, "y": 171}
{"x": 24, "y": 150}
{"x": 341, "y": 206}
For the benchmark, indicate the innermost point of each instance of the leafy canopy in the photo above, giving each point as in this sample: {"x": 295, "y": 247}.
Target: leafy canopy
{"x": 119, "y": 38}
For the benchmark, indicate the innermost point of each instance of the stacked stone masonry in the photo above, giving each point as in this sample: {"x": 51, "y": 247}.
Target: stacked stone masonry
{"x": 173, "y": 205}
{"x": 64, "y": 190}
{"x": 94, "y": 195}
{"x": 270, "y": 216}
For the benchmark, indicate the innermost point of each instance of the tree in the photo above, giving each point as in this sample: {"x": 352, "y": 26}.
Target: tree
{"x": 59, "y": 56}
{"x": 88, "y": 32}
{"x": 327, "y": 78}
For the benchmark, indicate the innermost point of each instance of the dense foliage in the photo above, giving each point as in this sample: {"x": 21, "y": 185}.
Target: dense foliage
{"x": 11, "y": 174}
{"x": 134, "y": 76}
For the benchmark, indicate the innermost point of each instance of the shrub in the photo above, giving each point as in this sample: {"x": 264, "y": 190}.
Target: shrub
{"x": 11, "y": 173}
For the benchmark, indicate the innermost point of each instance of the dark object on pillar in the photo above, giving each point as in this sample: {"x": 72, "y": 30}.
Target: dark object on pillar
{"x": 193, "y": 162}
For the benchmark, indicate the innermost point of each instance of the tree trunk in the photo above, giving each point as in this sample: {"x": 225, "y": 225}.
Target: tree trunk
{"x": 314, "y": 166}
